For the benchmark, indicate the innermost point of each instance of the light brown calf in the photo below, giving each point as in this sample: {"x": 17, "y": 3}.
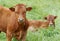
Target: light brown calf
{"x": 34, "y": 24}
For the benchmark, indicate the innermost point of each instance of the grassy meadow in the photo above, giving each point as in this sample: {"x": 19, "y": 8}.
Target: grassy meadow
{"x": 41, "y": 8}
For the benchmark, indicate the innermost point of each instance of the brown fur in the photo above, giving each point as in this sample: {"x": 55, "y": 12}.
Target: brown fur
{"x": 35, "y": 24}
{"x": 8, "y": 22}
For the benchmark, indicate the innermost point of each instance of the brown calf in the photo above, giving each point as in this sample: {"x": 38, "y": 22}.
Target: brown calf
{"x": 21, "y": 9}
{"x": 51, "y": 19}
{"x": 14, "y": 22}
{"x": 34, "y": 24}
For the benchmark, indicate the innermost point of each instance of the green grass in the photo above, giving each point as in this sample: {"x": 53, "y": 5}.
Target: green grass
{"x": 41, "y": 8}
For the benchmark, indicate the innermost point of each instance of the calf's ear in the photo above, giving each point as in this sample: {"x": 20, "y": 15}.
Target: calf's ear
{"x": 55, "y": 17}
{"x": 12, "y": 9}
{"x": 29, "y": 8}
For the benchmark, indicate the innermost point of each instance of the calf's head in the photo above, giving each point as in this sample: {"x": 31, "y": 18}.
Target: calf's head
{"x": 50, "y": 19}
{"x": 20, "y": 9}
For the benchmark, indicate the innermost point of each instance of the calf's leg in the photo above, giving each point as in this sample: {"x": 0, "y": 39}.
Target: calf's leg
{"x": 23, "y": 35}
{"x": 9, "y": 35}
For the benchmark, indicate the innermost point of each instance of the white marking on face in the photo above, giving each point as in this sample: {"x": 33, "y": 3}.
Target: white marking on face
{"x": 50, "y": 23}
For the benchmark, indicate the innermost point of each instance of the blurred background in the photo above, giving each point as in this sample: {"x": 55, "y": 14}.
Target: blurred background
{"x": 40, "y": 9}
